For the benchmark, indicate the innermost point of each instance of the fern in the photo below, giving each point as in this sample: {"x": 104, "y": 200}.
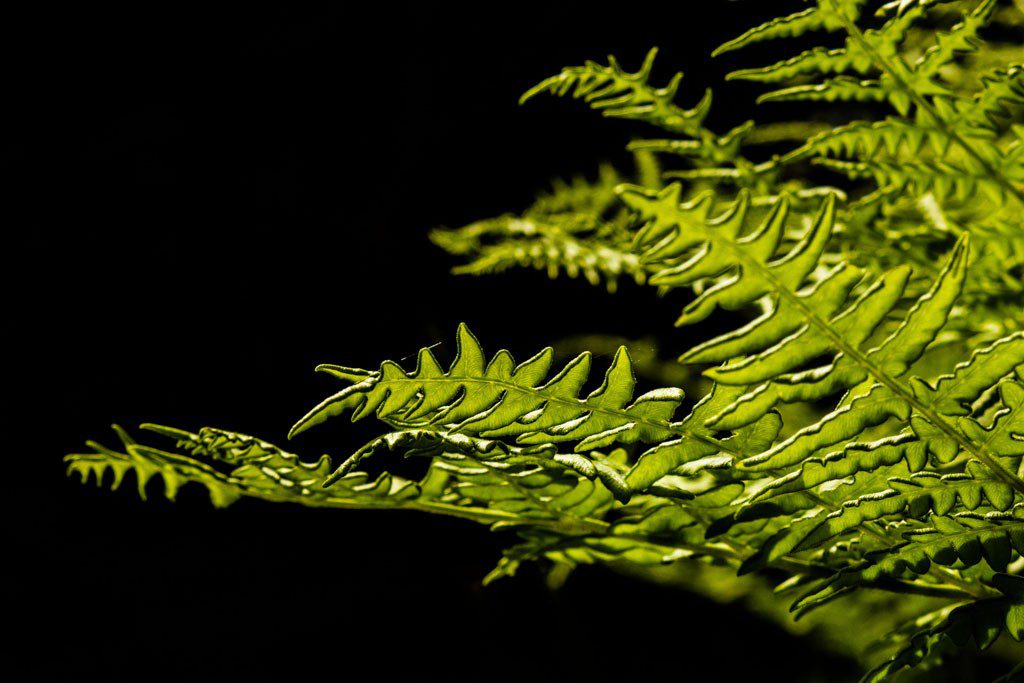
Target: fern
{"x": 619, "y": 94}
{"x": 824, "y": 16}
{"x": 855, "y": 449}
{"x": 904, "y": 84}
{"x": 577, "y": 228}
{"x": 980, "y": 622}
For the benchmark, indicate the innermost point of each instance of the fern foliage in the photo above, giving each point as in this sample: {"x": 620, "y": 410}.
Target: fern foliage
{"x": 947, "y": 138}
{"x": 854, "y": 352}
{"x": 578, "y": 228}
{"x": 617, "y": 93}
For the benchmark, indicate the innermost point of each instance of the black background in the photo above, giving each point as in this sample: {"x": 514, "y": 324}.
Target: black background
{"x": 207, "y": 204}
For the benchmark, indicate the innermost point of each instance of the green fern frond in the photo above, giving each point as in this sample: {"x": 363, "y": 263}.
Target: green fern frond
{"x": 903, "y": 156}
{"x": 822, "y": 17}
{"x": 257, "y": 469}
{"x": 918, "y": 496}
{"x": 979, "y": 623}
{"x": 617, "y": 93}
{"x": 1001, "y": 94}
{"x": 684, "y": 234}
{"x": 873, "y": 53}
{"x": 147, "y": 463}
{"x": 722, "y": 149}
{"x": 571, "y": 244}
{"x": 622, "y": 95}
{"x": 800, "y": 324}
{"x": 499, "y": 399}
{"x": 953, "y": 395}
{"x": 672, "y": 229}
{"x": 486, "y": 482}
{"x": 962, "y": 540}
{"x": 577, "y": 228}
{"x": 873, "y": 66}
{"x": 949, "y": 45}
{"x": 855, "y": 60}
{"x": 580, "y": 195}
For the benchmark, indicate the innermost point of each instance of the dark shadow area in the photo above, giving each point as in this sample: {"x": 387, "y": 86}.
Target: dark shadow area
{"x": 210, "y": 203}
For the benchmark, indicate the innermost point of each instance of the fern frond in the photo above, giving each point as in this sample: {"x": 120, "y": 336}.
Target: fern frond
{"x": 695, "y": 445}
{"x": 800, "y": 324}
{"x": 1002, "y": 93}
{"x": 874, "y": 66}
{"x": 147, "y": 463}
{"x": 904, "y": 156}
{"x": 569, "y": 244}
{"x": 855, "y": 60}
{"x": 257, "y": 469}
{"x": 859, "y": 466}
{"x": 722, "y": 149}
{"x": 499, "y": 398}
{"x": 961, "y": 540}
{"x": 953, "y": 395}
{"x": 617, "y": 93}
{"x": 874, "y": 52}
{"x": 672, "y": 229}
{"x": 685, "y": 235}
{"x": 915, "y": 497}
{"x": 961, "y": 39}
{"x": 577, "y": 228}
{"x": 979, "y": 623}
{"x": 483, "y": 481}
{"x": 822, "y": 17}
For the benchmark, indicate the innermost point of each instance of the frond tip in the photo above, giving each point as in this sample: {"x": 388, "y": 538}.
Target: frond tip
{"x": 150, "y": 463}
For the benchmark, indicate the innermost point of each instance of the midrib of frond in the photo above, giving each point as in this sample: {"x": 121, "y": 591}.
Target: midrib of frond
{"x": 924, "y": 105}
